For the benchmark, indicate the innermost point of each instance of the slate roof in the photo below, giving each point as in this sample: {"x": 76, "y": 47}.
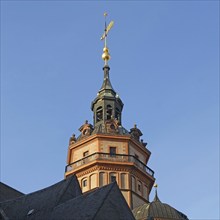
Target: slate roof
{"x": 7, "y": 192}
{"x": 106, "y": 85}
{"x": 64, "y": 200}
{"x": 106, "y": 203}
{"x": 49, "y": 197}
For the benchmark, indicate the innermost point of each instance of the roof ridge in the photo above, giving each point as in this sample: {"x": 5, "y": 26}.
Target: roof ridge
{"x": 5, "y": 185}
{"x": 70, "y": 180}
{"x": 44, "y": 189}
{"x": 106, "y": 196}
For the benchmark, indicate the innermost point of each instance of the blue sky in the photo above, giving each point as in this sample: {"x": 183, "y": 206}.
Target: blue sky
{"x": 165, "y": 67}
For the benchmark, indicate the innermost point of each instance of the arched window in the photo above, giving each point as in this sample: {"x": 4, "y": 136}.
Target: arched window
{"x": 102, "y": 179}
{"x": 109, "y": 112}
{"x": 112, "y": 126}
{"x": 124, "y": 181}
{"x": 117, "y": 114}
{"x": 84, "y": 182}
{"x": 93, "y": 181}
{"x": 112, "y": 177}
{"x": 99, "y": 114}
{"x": 139, "y": 186}
{"x": 133, "y": 184}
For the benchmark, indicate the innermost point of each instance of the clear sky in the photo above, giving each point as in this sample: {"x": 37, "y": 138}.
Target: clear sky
{"x": 165, "y": 67}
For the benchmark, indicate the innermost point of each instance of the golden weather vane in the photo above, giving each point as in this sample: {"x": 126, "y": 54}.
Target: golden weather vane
{"x": 106, "y": 55}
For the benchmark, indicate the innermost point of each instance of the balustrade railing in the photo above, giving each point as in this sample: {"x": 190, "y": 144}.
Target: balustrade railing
{"x": 109, "y": 157}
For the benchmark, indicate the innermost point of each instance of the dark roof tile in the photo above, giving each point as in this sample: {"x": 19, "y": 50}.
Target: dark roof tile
{"x": 103, "y": 203}
{"x": 7, "y": 192}
{"x": 42, "y": 199}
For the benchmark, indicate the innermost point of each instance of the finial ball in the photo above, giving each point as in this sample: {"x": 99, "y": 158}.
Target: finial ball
{"x": 105, "y": 49}
{"x": 155, "y": 185}
{"x": 105, "y": 55}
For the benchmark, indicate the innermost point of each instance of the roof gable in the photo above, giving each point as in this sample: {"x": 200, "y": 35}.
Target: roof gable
{"x": 43, "y": 199}
{"x": 7, "y": 192}
{"x": 103, "y": 203}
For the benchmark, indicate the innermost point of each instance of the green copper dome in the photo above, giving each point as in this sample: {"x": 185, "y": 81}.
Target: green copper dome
{"x": 157, "y": 210}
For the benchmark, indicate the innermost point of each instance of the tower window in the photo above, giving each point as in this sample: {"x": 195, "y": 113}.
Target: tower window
{"x": 112, "y": 126}
{"x": 109, "y": 112}
{"x": 86, "y": 153}
{"x": 102, "y": 180}
{"x": 139, "y": 187}
{"x": 133, "y": 184}
{"x": 84, "y": 183}
{"x": 112, "y": 151}
{"x": 99, "y": 114}
{"x": 123, "y": 181}
{"x": 112, "y": 177}
{"x": 117, "y": 114}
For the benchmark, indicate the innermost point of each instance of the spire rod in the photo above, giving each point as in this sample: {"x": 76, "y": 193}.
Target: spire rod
{"x": 106, "y": 55}
{"x": 105, "y": 15}
{"x": 156, "y": 199}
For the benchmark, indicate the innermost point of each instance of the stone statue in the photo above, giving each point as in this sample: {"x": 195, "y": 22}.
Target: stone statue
{"x": 72, "y": 139}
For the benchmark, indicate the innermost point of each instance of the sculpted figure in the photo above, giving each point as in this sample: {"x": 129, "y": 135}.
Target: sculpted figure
{"x": 72, "y": 139}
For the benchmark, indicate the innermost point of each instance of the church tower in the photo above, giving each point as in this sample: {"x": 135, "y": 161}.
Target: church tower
{"x": 105, "y": 151}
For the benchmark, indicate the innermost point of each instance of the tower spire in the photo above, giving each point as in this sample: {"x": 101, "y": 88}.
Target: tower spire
{"x": 107, "y": 106}
{"x": 106, "y": 55}
{"x": 156, "y": 199}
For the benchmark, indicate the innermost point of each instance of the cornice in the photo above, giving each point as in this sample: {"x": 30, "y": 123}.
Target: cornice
{"x": 114, "y": 167}
{"x": 110, "y": 137}
{"x": 141, "y": 175}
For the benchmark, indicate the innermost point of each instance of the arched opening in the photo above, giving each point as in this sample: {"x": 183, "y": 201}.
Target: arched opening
{"x": 139, "y": 188}
{"x": 112, "y": 126}
{"x": 124, "y": 181}
{"x": 102, "y": 179}
{"x": 84, "y": 182}
{"x": 93, "y": 181}
{"x": 112, "y": 177}
{"x": 109, "y": 112}
{"x": 117, "y": 114}
{"x": 133, "y": 184}
{"x": 99, "y": 114}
